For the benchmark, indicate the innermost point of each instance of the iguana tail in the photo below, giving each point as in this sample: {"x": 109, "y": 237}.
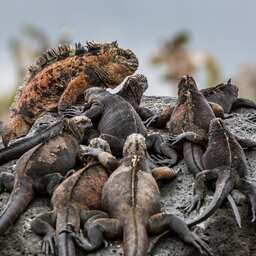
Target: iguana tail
{"x": 223, "y": 186}
{"x": 135, "y": 236}
{"x": 193, "y": 154}
{"x": 66, "y": 218}
{"x": 20, "y": 198}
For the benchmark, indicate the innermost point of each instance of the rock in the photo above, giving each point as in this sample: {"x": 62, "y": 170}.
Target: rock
{"x": 225, "y": 237}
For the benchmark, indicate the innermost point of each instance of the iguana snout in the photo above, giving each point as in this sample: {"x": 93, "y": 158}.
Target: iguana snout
{"x": 186, "y": 83}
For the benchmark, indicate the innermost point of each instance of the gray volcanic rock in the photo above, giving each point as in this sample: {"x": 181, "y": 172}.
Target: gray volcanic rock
{"x": 225, "y": 237}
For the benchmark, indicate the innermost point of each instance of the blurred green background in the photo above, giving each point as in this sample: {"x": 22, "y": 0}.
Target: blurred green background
{"x": 213, "y": 41}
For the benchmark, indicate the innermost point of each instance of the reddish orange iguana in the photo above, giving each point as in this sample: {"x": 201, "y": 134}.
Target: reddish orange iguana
{"x": 60, "y": 76}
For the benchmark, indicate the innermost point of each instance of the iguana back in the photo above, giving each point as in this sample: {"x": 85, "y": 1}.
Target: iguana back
{"x": 60, "y": 76}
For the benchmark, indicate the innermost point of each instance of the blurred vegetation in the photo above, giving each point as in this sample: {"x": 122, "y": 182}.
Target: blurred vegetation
{"x": 24, "y": 50}
{"x": 178, "y": 60}
{"x": 173, "y": 54}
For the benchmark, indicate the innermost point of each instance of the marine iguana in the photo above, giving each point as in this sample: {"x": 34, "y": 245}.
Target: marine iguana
{"x": 224, "y": 94}
{"x": 39, "y": 169}
{"x": 191, "y": 113}
{"x": 115, "y": 119}
{"x": 22, "y": 145}
{"x": 132, "y": 199}
{"x": 60, "y": 76}
{"x": 75, "y": 201}
{"x": 131, "y": 91}
{"x": 224, "y": 161}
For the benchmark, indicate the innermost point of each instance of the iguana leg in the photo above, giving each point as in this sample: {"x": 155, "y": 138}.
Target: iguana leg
{"x": 6, "y": 182}
{"x": 171, "y": 156}
{"x": 105, "y": 158}
{"x": 154, "y": 142}
{"x": 111, "y": 228}
{"x": 250, "y": 190}
{"x": 164, "y": 172}
{"x": 190, "y": 136}
{"x": 88, "y": 216}
{"x": 243, "y": 103}
{"x": 75, "y": 88}
{"x": 43, "y": 225}
{"x": 199, "y": 188}
{"x": 159, "y": 120}
{"x": 48, "y": 183}
{"x": 116, "y": 144}
{"x": 144, "y": 113}
{"x": 163, "y": 221}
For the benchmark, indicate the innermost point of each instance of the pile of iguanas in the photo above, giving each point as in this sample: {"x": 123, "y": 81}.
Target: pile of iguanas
{"x": 98, "y": 162}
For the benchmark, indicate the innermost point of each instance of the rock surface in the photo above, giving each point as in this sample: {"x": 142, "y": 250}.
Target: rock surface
{"x": 225, "y": 237}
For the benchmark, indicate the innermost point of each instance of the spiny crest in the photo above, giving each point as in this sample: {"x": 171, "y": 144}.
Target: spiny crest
{"x": 135, "y": 144}
{"x": 47, "y": 58}
{"x": 93, "y": 45}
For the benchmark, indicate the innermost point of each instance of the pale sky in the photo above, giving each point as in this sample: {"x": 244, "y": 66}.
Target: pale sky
{"x": 225, "y": 29}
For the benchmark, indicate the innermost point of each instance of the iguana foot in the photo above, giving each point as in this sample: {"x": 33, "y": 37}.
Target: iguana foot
{"x": 152, "y": 119}
{"x": 199, "y": 243}
{"x": 49, "y": 242}
{"x": 190, "y": 136}
{"x": 195, "y": 202}
{"x": 164, "y": 221}
{"x": 73, "y": 111}
{"x": 162, "y": 161}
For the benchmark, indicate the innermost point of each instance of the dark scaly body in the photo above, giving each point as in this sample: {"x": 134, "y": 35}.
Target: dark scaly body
{"x": 131, "y": 197}
{"x": 41, "y": 166}
{"x": 224, "y": 161}
{"x": 61, "y": 76}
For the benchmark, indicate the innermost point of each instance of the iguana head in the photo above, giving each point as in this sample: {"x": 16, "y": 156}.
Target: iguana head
{"x": 88, "y": 94}
{"x": 230, "y": 90}
{"x": 15, "y": 128}
{"x": 186, "y": 83}
{"x": 100, "y": 143}
{"x": 111, "y": 63}
{"x": 133, "y": 88}
{"x": 135, "y": 144}
{"x": 79, "y": 125}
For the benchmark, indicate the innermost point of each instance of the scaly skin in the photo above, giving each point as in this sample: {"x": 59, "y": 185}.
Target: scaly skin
{"x": 224, "y": 160}
{"x": 39, "y": 169}
{"x": 191, "y": 113}
{"x": 115, "y": 119}
{"x": 22, "y": 145}
{"x": 225, "y": 95}
{"x": 132, "y": 91}
{"x": 75, "y": 201}
{"x": 132, "y": 199}
{"x": 58, "y": 85}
